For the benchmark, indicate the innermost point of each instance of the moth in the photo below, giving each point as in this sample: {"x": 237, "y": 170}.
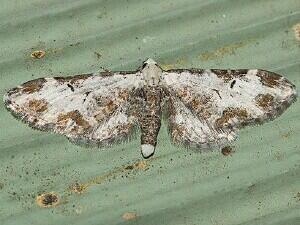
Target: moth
{"x": 203, "y": 108}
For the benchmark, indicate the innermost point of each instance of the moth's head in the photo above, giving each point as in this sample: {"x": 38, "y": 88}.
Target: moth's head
{"x": 151, "y": 72}
{"x": 149, "y": 61}
{"x": 150, "y": 64}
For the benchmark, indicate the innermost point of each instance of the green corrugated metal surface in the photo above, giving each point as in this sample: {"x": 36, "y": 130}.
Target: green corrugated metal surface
{"x": 257, "y": 184}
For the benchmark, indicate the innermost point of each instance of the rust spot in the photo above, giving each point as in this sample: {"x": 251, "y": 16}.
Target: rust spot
{"x": 77, "y": 188}
{"x": 48, "y": 199}
{"x": 38, "y": 54}
{"x": 296, "y": 29}
{"x": 38, "y": 105}
{"x": 129, "y": 215}
{"x": 227, "y": 150}
{"x": 264, "y": 101}
{"x": 129, "y": 167}
{"x": 75, "y": 115}
{"x": 269, "y": 79}
{"x": 98, "y": 55}
{"x": 141, "y": 164}
{"x": 33, "y": 85}
{"x": 228, "y": 75}
{"x": 229, "y": 113}
{"x": 287, "y": 134}
{"x": 72, "y": 79}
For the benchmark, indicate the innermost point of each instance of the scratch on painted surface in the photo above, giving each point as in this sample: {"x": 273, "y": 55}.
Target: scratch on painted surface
{"x": 176, "y": 63}
{"x": 80, "y": 187}
{"x": 226, "y": 50}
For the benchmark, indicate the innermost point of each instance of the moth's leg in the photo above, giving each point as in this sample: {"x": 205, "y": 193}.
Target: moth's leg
{"x": 149, "y": 119}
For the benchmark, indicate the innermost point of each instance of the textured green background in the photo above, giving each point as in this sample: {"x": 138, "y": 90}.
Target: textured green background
{"x": 258, "y": 184}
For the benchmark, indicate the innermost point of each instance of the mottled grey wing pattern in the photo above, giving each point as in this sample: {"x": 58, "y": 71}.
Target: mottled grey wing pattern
{"x": 206, "y": 107}
{"x": 189, "y": 130}
{"x": 91, "y": 108}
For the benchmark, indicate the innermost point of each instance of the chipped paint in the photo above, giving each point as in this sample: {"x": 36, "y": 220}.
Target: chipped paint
{"x": 296, "y": 29}
{"x": 38, "y": 54}
{"x": 227, "y": 150}
{"x": 47, "y": 199}
{"x": 129, "y": 215}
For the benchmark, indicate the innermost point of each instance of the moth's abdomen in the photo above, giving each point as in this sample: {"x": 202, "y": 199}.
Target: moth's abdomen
{"x": 150, "y": 119}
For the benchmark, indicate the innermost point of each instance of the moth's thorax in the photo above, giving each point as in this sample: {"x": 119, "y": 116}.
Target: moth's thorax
{"x": 151, "y": 74}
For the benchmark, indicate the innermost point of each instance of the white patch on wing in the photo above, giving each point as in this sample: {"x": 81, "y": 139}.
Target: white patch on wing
{"x": 228, "y": 106}
{"x": 77, "y": 110}
{"x": 187, "y": 129}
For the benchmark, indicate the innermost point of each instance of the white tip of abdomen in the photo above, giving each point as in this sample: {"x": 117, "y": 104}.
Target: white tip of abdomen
{"x": 147, "y": 150}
